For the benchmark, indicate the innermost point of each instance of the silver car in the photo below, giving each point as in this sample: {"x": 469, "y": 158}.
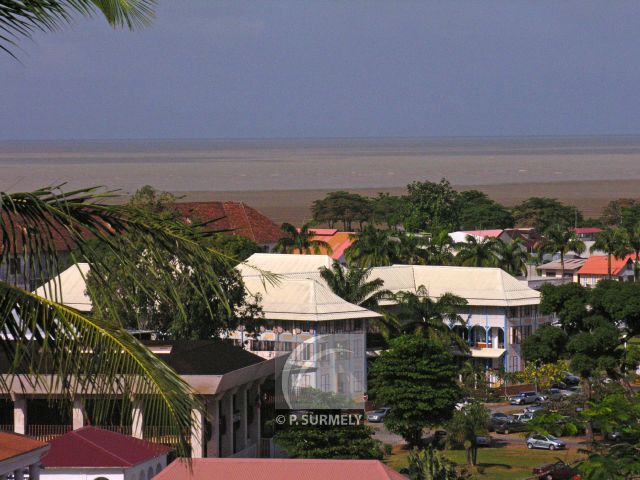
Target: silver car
{"x": 378, "y": 415}
{"x": 524, "y": 398}
{"x": 549, "y": 442}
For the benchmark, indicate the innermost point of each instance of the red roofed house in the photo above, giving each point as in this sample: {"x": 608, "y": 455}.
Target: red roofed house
{"x": 237, "y": 217}
{"x": 92, "y": 453}
{"x": 278, "y": 469}
{"x": 587, "y": 234}
{"x": 596, "y": 268}
{"x": 20, "y": 455}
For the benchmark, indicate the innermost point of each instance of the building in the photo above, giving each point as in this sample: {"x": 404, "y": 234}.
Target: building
{"x": 596, "y": 268}
{"x": 91, "y": 453}
{"x": 338, "y": 241}
{"x": 284, "y": 264}
{"x": 461, "y": 236}
{"x": 587, "y": 234}
{"x": 501, "y": 311}
{"x": 20, "y": 456}
{"x": 554, "y": 269}
{"x": 279, "y": 469}
{"x": 235, "y": 218}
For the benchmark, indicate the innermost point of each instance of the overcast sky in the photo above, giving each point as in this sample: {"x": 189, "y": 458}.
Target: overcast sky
{"x": 316, "y": 68}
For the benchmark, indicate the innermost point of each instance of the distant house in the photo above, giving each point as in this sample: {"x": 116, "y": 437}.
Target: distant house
{"x": 554, "y": 269}
{"x": 279, "y": 469}
{"x": 587, "y": 234}
{"x": 236, "y": 217}
{"x": 461, "y": 236}
{"x": 596, "y": 269}
{"x": 338, "y": 241}
{"x": 96, "y": 454}
{"x": 20, "y": 456}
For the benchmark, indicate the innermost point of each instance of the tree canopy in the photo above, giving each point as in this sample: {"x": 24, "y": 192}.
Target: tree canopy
{"x": 431, "y": 206}
{"x": 543, "y": 213}
{"x": 477, "y": 211}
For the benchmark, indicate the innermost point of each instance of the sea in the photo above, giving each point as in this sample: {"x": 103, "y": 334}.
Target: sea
{"x": 245, "y": 165}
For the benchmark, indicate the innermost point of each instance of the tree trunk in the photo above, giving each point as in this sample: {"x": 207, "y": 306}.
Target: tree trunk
{"x": 475, "y": 455}
{"x": 561, "y": 263}
{"x": 470, "y": 456}
{"x": 586, "y": 390}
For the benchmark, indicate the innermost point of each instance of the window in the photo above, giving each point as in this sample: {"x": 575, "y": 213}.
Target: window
{"x": 526, "y": 331}
{"x": 343, "y": 383}
{"x": 325, "y": 383}
{"x": 307, "y": 351}
{"x": 357, "y": 348}
{"x": 515, "y": 336}
{"x": 357, "y": 381}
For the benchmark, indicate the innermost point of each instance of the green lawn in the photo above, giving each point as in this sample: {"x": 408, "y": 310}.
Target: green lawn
{"x": 507, "y": 463}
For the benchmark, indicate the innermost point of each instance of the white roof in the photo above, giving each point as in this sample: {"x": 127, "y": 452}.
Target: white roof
{"x": 283, "y": 263}
{"x": 302, "y": 299}
{"x": 69, "y": 288}
{"x": 479, "y": 286}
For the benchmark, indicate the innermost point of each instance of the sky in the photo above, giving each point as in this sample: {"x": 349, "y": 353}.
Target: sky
{"x": 320, "y": 68}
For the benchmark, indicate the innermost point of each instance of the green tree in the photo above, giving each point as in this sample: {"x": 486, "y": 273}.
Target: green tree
{"x": 474, "y": 252}
{"x": 300, "y": 240}
{"x": 388, "y": 210}
{"x": 345, "y": 207}
{"x": 512, "y": 256}
{"x": 416, "y": 378}
{"x": 614, "y": 242}
{"x": 546, "y": 345}
{"x": 558, "y": 239}
{"x": 466, "y": 425}
{"x": 420, "y": 314}
{"x": 21, "y": 18}
{"x": 633, "y": 244}
{"x": 235, "y": 246}
{"x": 478, "y": 211}
{"x": 619, "y": 302}
{"x": 624, "y": 212}
{"x": 431, "y": 206}
{"x": 412, "y": 249}
{"x": 328, "y": 441}
{"x": 543, "y": 213}
{"x": 440, "y": 249}
{"x": 43, "y": 328}
{"x": 372, "y": 248}
{"x": 429, "y": 464}
{"x": 569, "y": 302}
{"x": 353, "y": 285}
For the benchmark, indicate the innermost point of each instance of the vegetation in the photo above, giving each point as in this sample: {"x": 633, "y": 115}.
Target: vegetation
{"x": 300, "y": 240}
{"x": 431, "y": 206}
{"x": 416, "y": 378}
{"x": 477, "y": 211}
{"x": 343, "y": 207}
{"x": 545, "y": 213}
{"x": 328, "y": 441}
{"x": 372, "y": 248}
{"x": 560, "y": 240}
{"x": 352, "y": 284}
{"x": 45, "y": 329}
{"x": 429, "y": 464}
{"x": 614, "y": 242}
{"x": 466, "y": 425}
{"x": 475, "y": 252}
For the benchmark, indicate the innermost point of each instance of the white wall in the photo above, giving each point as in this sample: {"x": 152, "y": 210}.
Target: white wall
{"x": 132, "y": 473}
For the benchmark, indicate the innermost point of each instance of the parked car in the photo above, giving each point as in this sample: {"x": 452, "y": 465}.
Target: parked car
{"x": 551, "y": 395}
{"x": 569, "y": 392}
{"x": 571, "y": 379}
{"x": 511, "y": 426}
{"x": 524, "y": 398}
{"x": 523, "y": 417}
{"x": 554, "y": 471}
{"x": 497, "y": 418}
{"x": 549, "y": 442}
{"x": 377, "y": 416}
{"x": 439, "y": 438}
{"x": 534, "y": 409}
{"x": 483, "y": 440}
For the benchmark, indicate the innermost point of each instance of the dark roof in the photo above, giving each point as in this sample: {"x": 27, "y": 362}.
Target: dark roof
{"x": 203, "y": 357}
{"x": 236, "y": 217}
{"x": 95, "y": 447}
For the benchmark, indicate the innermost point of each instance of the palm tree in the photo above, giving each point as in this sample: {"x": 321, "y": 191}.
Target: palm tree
{"x": 372, "y": 248}
{"x": 440, "y": 249}
{"x": 633, "y": 237}
{"x": 97, "y": 353}
{"x": 560, "y": 240}
{"x": 512, "y": 256}
{"x": 300, "y": 240}
{"x": 420, "y": 314}
{"x": 21, "y": 18}
{"x": 412, "y": 249}
{"x": 353, "y": 285}
{"x": 614, "y": 242}
{"x": 477, "y": 252}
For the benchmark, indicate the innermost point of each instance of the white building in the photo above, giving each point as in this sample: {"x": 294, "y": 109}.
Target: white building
{"x": 501, "y": 311}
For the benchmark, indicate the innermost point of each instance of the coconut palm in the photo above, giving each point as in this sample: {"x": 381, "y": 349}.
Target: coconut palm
{"x": 633, "y": 239}
{"x": 412, "y": 249}
{"x": 420, "y": 314}
{"x": 98, "y": 354}
{"x": 512, "y": 256}
{"x": 372, "y": 248}
{"x": 353, "y": 285}
{"x": 560, "y": 240}
{"x": 477, "y": 252}
{"x": 300, "y": 240}
{"x": 22, "y": 18}
{"x": 614, "y": 242}
{"x": 440, "y": 249}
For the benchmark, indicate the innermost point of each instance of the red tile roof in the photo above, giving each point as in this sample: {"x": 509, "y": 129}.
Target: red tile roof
{"x": 12, "y": 445}
{"x": 598, "y": 265}
{"x": 587, "y": 230}
{"x": 242, "y": 219}
{"x": 95, "y": 447}
{"x": 278, "y": 469}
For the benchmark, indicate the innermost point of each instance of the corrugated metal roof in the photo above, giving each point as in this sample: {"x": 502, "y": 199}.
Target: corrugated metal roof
{"x": 302, "y": 299}
{"x": 69, "y": 288}
{"x": 95, "y": 447}
{"x": 479, "y": 286}
{"x": 280, "y": 263}
{"x": 487, "y": 352}
{"x": 277, "y": 469}
{"x": 569, "y": 264}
